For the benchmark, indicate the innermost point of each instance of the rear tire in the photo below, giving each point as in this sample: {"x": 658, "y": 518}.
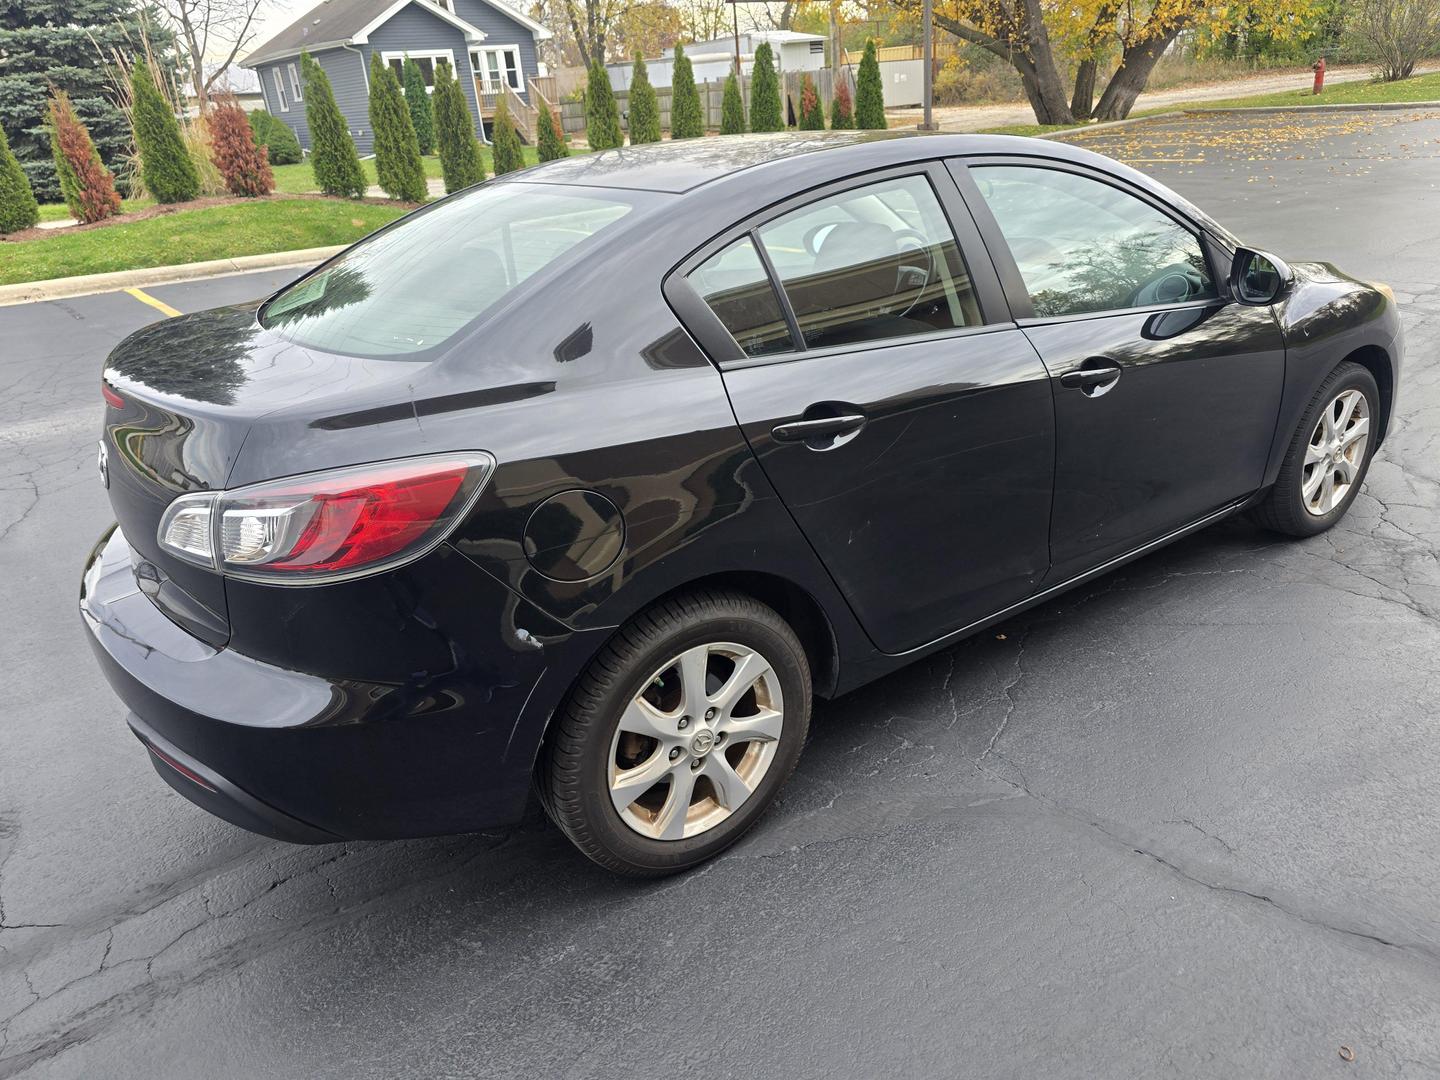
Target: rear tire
{"x": 678, "y": 735}
{"x": 1327, "y": 458}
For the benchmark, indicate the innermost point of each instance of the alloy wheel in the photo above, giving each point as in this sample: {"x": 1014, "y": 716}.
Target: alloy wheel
{"x": 696, "y": 742}
{"x": 1335, "y": 452}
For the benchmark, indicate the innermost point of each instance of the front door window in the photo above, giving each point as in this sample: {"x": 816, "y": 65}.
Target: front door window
{"x": 497, "y": 67}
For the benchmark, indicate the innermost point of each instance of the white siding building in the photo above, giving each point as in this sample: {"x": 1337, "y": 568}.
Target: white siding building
{"x": 713, "y": 60}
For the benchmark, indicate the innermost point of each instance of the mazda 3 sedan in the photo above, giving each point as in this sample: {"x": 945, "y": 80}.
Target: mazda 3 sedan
{"x": 590, "y": 479}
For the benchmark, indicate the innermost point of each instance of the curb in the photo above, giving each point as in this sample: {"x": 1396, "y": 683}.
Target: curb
{"x": 30, "y": 292}
{"x": 1248, "y": 110}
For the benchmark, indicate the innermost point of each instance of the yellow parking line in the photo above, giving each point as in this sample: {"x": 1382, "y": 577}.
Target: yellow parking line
{"x": 158, "y": 305}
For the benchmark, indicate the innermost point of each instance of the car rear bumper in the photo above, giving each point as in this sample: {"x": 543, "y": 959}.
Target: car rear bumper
{"x": 313, "y": 758}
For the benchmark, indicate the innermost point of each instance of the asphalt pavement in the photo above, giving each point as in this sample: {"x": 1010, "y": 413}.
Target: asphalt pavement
{"x": 1180, "y": 822}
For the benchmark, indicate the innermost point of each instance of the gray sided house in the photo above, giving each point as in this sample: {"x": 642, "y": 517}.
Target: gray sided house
{"x": 491, "y": 48}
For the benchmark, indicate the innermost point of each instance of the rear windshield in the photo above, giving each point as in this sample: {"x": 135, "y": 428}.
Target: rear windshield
{"x": 413, "y": 287}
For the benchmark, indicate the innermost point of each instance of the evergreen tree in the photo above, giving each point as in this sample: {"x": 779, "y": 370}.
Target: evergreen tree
{"x": 421, "y": 115}
{"x": 244, "y": 165}
{"x": 812, "y": 116}
{"x": 66, "y": 44}
{"x": 276, "y": 136}
{"x": 550, "y": 142}
{"x": 87, "y": 185}
{"x": 460, "y": 162}
{"x": 732, "y": 110}
{"x": 765, "y": 92}
{"x": 842, "y": 115}
{"x": 644, "y": 106}
{"x": 18, "y": 209}
{"x": 165, "y": 164}
{"x": 332, "y": 150}
{"x": 397, "y": 152}
{"x": 602, "y": 117}
{"x": 869, "y": 91}
{"x": 687, "y": 120}
{"x": 506, "y": 141}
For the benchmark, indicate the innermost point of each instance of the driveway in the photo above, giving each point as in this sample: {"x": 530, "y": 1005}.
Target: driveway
{"x": 979, "y": 117}
{"x": 1179, "y": 822}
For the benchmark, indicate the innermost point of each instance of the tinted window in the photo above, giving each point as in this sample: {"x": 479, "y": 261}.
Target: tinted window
{"x": 411, "y": 288}
{"x": 871, "y": 263}
{"x": 1083, "y": 246}
{"x": 734, "y": 284}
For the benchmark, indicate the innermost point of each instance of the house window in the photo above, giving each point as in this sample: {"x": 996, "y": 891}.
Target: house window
{"x": 447, "y": 5}
{"x": 295, "y": 83}
{"x": 426, "y": 61}
{"x": 279, "y": 89}
{"x": 496, "y": 67}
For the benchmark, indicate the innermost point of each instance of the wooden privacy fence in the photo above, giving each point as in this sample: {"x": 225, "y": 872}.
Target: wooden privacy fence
{"x": 712, "y": 99}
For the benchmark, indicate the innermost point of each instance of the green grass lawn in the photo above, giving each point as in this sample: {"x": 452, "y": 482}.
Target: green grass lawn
{"x": 218, "y": 232}
{"x": 1360, "y": 92}
{"x": 61, "y": 212}
{"x": 299, "y": 179}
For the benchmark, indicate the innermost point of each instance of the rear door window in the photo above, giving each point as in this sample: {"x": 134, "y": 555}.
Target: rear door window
{"x": 734, "y": 283}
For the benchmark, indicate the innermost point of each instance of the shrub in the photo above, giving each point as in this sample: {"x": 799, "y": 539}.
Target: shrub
{"x": 397, "y": 152}
{"x": 732, "y": 109}
{"x": 85, "y": 182}
{"x": 277, "y": 138}
{"x": 418, "y": 100}
{"x": 812, "y": 116}
{"x": 842, "y": 115}
{"x": 550, "y": 142}
{"x": 332, "y": 150}
{"x": 18, "y": 209}
{"x": 869, "y": 91}
{"x": 765, "y": 92}
{"x": 506, "y": 149}
{"x": 244, "y": 166}
{"x": 1394, "y": 34}
{"x": 602, "y": 116}
{"x": 686, "y": 118}
{"x": 644, "y": 106}
{"x": 165, "y": 166}
{"x": 460, "y": 162}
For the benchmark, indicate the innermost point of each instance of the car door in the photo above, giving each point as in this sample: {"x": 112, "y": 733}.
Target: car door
{"x": 1166, "y": 392}
{"x": 897, "y": 410}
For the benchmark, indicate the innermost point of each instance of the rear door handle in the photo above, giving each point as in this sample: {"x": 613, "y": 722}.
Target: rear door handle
{"x": 1095, "y": 380}
{"x": 824, "y": 427}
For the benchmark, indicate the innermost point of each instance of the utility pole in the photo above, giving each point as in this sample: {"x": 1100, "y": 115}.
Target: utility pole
{"x": 928, "y": 124}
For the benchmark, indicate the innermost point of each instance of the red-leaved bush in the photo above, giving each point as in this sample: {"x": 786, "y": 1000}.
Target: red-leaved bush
{"x": 244, "y": 166}
{"x": 86, "y": 183}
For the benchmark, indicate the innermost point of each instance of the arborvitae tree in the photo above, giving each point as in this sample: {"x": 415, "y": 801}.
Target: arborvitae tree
{"x": 732, "y": 108}
{"x": 67, "y": 44}
{"x": 687, "y": 120}
{"x": 397, "y": 152}
{"x": 644, "y": 107}
{"x": 332, "y": 150}
{"x": 165, "y": 164}
{"x": 18, "y": 209}
{"x": 765, "y": 112}
{"x": 245, "y": 166}
{"x": 506, "y": 141}
{"x": 460, "y": 162}
{"x": 86, "y": 183}
{"x": 812, "y": 116}
{"x": 842, "y": 115}
{"x": 550, "y": 142}
{"x": 602, "y": 116}
{"x": 869, "y": 91}
{"x": 416, "y": 97}
{"x": 276, "y": 136}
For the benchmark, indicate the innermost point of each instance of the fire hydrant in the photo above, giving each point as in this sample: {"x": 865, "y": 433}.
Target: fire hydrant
{"x": 1319, "y": 68}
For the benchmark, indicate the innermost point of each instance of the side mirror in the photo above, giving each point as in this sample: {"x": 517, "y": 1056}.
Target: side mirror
{"x": 1258, "y": 278}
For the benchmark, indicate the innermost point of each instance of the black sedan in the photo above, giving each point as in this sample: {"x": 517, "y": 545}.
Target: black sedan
{"x": 589, "y": 479}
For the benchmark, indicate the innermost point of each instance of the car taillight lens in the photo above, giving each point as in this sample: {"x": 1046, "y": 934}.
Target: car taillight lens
{"x": 327, "y": 526}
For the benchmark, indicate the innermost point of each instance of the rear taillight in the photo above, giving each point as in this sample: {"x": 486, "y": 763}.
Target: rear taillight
{"x": 327, "y": 526}
{"x": 112, "y": 398}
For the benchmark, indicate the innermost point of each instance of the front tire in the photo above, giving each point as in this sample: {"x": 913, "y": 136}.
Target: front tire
{"x": 678, "y": 735}
{"x": 1328, "y": 456}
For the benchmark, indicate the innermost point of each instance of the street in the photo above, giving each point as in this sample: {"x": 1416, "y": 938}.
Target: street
{"x": 1180, "y": 820}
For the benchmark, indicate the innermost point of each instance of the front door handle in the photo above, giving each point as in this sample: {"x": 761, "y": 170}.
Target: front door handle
{"x": 824, "y": 427}
{"x": 1094, "y": 379}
